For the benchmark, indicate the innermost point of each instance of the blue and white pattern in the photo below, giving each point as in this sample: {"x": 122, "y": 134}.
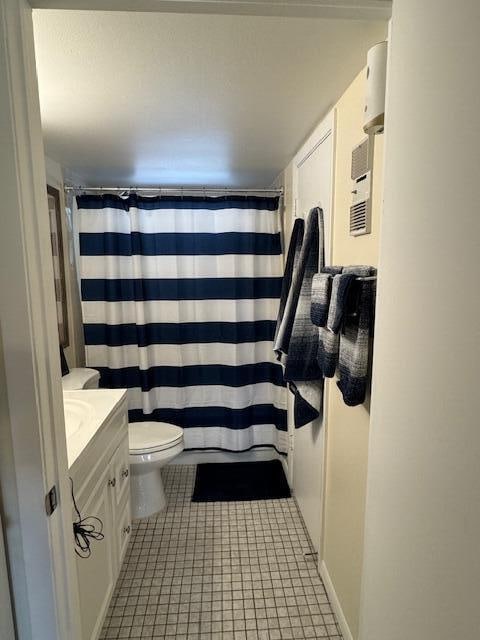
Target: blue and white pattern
{"x": 179, "y": 301}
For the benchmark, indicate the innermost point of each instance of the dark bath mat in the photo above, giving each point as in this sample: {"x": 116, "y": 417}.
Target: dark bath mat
{"x": 240, "y": 481}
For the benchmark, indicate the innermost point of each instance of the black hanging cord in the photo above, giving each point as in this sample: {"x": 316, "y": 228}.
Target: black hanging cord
{"x": 84, "y": 530}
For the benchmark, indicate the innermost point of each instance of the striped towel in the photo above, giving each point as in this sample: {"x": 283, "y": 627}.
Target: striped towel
{"x": 321, "y": 289}
{"x": 329, "y": 343}
{"x": 296, "y": 344}
{"x": 355, "y": 344}
{"x": 285, "y": 317}
{"x": 321, "y": 286}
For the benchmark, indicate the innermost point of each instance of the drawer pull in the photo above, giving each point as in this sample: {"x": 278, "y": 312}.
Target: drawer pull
{"x": 112, "y": 482}
{"x": 126, "y": 529}
{"x": 125, "y": 473}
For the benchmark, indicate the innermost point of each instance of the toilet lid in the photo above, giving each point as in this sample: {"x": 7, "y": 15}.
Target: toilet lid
{"x": 147, "y": 437}
{"x": 78, "y": 378}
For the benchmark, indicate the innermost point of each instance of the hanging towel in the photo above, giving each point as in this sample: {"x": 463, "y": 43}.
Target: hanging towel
{"x": 321, "y": 285}
{"x": 307, "y": 401}
{"x": 321, "y": 288}
{"x": 327, "y": 355}
{"x": 333, "y": 270}
{"x": 297, "y": 337}
{"x": 283, "y": 330}
{"x": 329, "y": 338}
{"x": 301, "y": 362}
{"x": 340, "y": 288}
{"x": 355, "y": 342}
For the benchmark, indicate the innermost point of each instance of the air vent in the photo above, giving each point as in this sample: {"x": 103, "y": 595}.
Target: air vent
{"x": 360, "y": 210}
{"x": 359, "y": 218}
{"x": 361, "y": 159}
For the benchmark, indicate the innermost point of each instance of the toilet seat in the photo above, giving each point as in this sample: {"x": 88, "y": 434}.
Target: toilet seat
{"x": 152, "y": 445}
{"x": 151, "y": 437}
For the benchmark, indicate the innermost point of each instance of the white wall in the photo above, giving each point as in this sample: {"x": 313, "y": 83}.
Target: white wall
{"x": 422, "y": 549}
{"x": 347, "y": 428}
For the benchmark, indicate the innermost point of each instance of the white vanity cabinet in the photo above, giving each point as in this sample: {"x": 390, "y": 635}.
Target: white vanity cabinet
{"x": 101, "y": 484}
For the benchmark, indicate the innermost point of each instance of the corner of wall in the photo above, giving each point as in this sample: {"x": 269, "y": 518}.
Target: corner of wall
{"x": 348, "y": 427}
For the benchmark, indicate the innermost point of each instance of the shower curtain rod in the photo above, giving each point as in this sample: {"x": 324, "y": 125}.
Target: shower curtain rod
{"x": 177, "y": 190}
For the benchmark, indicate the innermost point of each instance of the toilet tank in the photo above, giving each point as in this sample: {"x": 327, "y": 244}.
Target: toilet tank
{"x": 81, "y": 379}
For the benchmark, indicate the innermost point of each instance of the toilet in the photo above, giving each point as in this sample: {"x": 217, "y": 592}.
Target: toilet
{"x": 81, "y": 378}
{"x": 152, "y": 445}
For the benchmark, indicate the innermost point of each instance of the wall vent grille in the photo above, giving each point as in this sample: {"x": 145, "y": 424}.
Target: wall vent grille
{"x": 359, "y": 218}
{"x": 361, "y": 159}
{"x": 360, "y": 209}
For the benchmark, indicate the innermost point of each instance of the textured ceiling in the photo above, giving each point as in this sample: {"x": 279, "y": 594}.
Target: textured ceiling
{"x": 150, "y": 98}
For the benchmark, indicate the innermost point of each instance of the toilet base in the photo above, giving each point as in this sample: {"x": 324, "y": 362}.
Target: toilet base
{"x": 146, "y": 484}
{"x": 147, "y": 493}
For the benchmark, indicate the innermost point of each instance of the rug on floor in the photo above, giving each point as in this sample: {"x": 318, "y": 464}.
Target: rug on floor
{"x": 232, "y": 481}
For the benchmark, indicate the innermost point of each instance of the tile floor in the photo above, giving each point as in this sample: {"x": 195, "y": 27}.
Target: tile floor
{"x": 224, "y": 570}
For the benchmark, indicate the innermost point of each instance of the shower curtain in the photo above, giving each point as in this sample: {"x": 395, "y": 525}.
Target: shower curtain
{"x": 179, "y": 301}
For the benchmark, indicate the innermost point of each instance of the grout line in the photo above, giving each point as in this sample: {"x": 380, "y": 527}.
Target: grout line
{"x": 222, "y": 571}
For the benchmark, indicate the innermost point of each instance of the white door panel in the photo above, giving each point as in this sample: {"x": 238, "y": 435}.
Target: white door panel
{"x": 313, "y": 173}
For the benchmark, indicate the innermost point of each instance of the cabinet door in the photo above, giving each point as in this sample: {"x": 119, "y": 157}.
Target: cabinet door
{"x": 124, "y": 528}
{"x": 121, "y": 500}
{"x": 96, "y": 577}
{"x": 120, "y": 473}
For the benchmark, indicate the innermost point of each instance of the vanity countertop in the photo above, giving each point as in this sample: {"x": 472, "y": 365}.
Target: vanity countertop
{"x": 86, "y": 410}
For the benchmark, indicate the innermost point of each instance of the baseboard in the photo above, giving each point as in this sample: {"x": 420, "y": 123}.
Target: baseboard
{"x": 198, "y": 457}
{"x": 335, "y": 602}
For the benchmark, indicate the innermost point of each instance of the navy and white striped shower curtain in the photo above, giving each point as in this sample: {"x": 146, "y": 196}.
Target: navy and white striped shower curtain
{"x": 179, "y": 300}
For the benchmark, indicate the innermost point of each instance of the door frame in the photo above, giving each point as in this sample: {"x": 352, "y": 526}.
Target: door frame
{"x": 322, "y": 131}
{"x": 33, "y": 456}
{"x": 325, "y": 129}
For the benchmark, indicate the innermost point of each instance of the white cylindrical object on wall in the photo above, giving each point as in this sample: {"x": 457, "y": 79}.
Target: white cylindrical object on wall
{"x": 373, "y": 121}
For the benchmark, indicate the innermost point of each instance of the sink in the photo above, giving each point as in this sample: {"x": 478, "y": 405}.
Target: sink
{"x": 86, "y": 412}
{"x": 78, "y": 414}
